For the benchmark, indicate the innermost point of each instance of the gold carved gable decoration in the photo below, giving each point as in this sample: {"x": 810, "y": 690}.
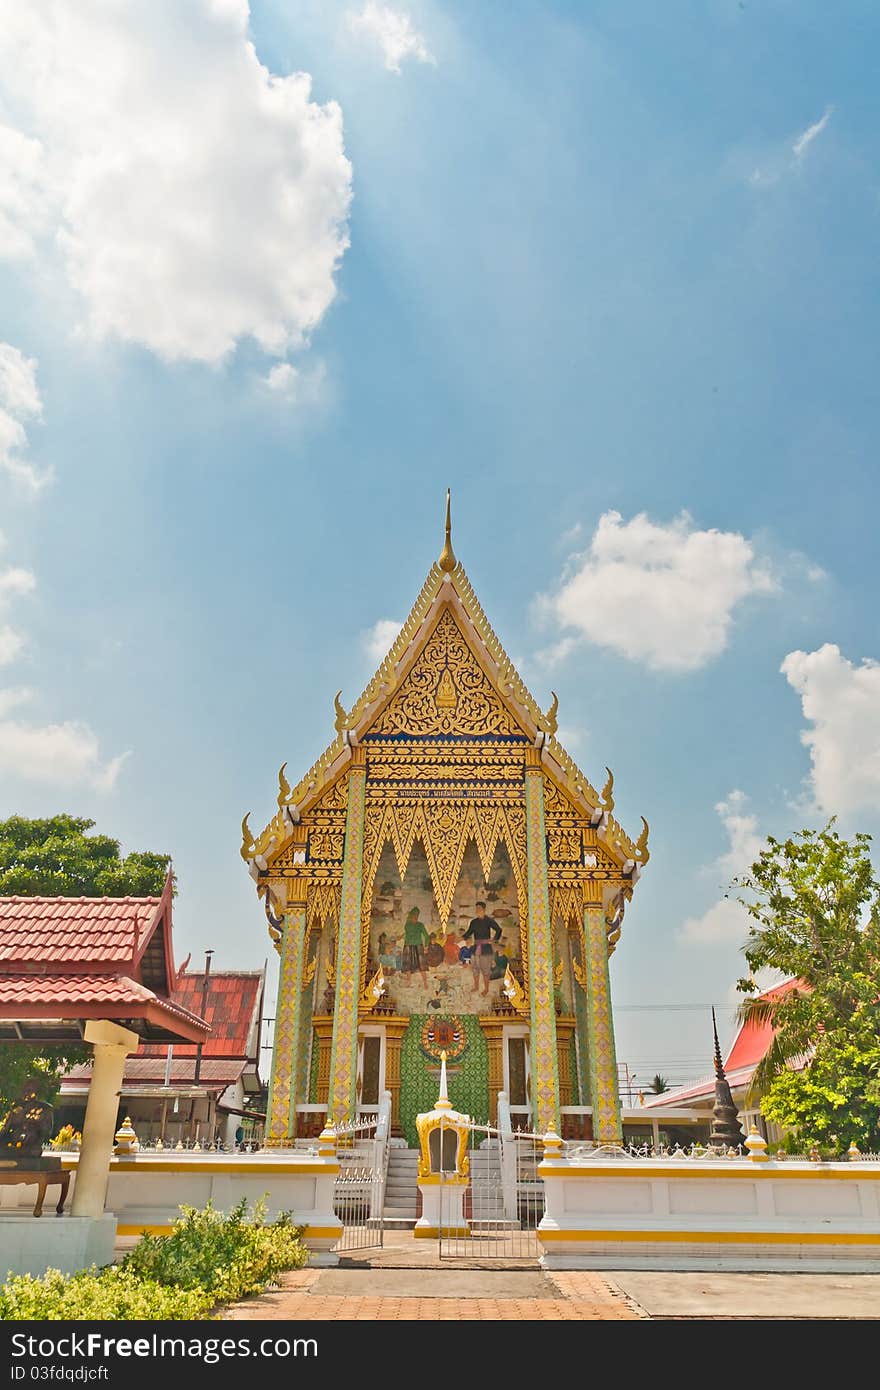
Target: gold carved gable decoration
{"x": 446, "y": 692}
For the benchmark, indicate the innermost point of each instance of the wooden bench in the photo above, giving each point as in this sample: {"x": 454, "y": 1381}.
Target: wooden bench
{"x": 42, "y": 1178}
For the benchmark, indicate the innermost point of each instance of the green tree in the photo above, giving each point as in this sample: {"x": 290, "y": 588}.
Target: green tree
{"x": 814, "y": 901}
{"x": 57, "y": 857}
{"x": 833, "y": 1102}
{"x": 659, "y": 1085}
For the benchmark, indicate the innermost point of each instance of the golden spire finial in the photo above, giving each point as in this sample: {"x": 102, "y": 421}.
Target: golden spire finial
{"x": 447, "y": 555}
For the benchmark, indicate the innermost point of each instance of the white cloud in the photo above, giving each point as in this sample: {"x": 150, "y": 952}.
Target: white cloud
{"x": 806, "y": 138}
{"x": 62, "y": 755}
{"x": 393, "y": 32}
{"x": 779, "y": 160}
{"x": 19, "y": 402}
{"x": 662, "y": 594}
{"x": 57, "y": 754}
{"x": 194, "y": 197}
{"x": 842, "y": 703}
{"x": 12, "y": 644}
{"x": 378, "y": 639}
{"x": 297, "y": 386}
{"x": 14, "y": 583}
{"x": 726, "y": 920}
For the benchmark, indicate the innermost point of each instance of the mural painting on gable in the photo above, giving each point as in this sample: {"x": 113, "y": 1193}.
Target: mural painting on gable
{"x": 462, "y": 972}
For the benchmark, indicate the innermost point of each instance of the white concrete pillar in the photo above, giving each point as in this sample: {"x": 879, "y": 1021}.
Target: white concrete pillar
{"x": 111, "y": 1045}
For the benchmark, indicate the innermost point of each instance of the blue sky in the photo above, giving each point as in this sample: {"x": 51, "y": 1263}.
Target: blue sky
{"x": 607, "y": 271}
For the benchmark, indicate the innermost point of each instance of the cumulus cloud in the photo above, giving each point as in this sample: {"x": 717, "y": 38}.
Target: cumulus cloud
{"x": 842, "y": 704}
{"x": 65, "y": 754}
{"x": 392, "y": 32}
{"x": 14, "y": 583}
{"x": 378, "y": 639}
{"x": 195, "y": 198}
{"x": 726, "y": 920}
{"x": 662, "y": 594}
{"x": 295, "y": 385}
{"x": 56, "y": 754}
{"x": 19, "y": 403}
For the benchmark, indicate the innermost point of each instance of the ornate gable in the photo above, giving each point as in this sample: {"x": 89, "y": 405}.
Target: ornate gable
{"x": 447, "y": 680}
{"x": 446, "y": 692}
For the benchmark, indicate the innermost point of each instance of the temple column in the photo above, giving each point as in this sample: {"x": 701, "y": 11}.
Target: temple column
{"x": 542, "y": 1006}
{"x": 286, "y": 1083}
{"x": 493, "y": 1031}
{"x": 111, "y": 1044}
{"x": 604, "y": 1093}
{"x": 342, "y": 1100}
{"x": 394, "y": 1031}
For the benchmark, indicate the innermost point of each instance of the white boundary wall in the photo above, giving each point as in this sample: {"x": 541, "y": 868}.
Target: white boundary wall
{"x": 710, "y": 1214}
{"x": 145, "y": 1192}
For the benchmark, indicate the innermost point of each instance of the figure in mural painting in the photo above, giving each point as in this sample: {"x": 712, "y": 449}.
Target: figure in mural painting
{"x": 501, "y": 962}
{"x": 434, "y": 955}
{"x": 481, "y": 929}
{"x": 415, "y": 943}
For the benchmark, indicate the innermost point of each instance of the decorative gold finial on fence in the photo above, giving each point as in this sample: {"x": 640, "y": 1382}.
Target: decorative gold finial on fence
{"x": 447, "y": 554}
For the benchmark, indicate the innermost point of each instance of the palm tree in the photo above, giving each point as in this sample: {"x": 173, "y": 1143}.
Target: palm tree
{"x": 659, "y": 1085}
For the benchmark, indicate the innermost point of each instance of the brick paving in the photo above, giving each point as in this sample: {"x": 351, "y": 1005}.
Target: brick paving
{"x": 570, "y": 1297}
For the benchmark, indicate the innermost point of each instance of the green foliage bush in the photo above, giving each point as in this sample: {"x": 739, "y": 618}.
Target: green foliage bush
{"x": 107, "y": 1294}
{"x": 209, "y": 1258}
{"x": 231, "y": 1254}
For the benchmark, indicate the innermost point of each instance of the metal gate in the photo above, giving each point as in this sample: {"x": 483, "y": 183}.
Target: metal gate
{"x": 504, "y": 1200}
{"x": 359, "y": 1192}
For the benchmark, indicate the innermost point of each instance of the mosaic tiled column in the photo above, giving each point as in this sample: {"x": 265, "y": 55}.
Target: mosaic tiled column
{"x": 289, "y": 1025}
{"x": 342, "y": 1100}
{"x": 604, "y": 1094}
{"x": 542, "y": 1008}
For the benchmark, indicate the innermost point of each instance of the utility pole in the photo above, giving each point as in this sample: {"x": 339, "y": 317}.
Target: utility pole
{"x": 198, "y": 1069}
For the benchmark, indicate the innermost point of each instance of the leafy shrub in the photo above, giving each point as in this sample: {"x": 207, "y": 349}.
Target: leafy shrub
{"x": 209, "y": 1258}
{"x": 108, "y": 1294}
{"x": 230, "y": 1254}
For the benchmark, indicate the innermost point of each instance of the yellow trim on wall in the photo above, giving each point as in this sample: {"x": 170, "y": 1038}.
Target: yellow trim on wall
{"x": 148, "y": 1165}
{"x": 310, "y": 1232}
{"x": 717, "y": 1237}
{"x": 756, "y": 1170}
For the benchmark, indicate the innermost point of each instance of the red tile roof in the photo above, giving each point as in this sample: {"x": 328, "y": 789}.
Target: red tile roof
{"x": 232, "y": 1008}
{"x": 150, "y": 1071}
{"x": 70, "y": 933}
{"x": 69, "y": 959}
{"x": 753, "y": 1039}
{"x": 748, "y": 1047}
{"x": 93, "y": 996}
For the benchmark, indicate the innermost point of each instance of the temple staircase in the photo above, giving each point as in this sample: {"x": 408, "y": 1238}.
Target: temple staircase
{"x": 401, "y": 1189}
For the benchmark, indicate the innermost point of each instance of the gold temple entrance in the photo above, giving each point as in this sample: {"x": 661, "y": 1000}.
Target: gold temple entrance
{"x": 444, "y": 879}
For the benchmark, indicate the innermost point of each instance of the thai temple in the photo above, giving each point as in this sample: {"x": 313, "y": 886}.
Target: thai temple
{"x": 444, "y": 879}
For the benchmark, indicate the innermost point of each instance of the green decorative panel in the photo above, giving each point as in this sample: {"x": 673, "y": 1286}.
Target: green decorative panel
{"x": 419, "y": 1075}
{"x": 580, "y": 1010}
{"x": 573, "y": 1063}
{"x": 313, "y": 1071}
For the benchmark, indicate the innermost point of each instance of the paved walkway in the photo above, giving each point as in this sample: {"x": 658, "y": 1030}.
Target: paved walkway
{"x": 450, "y": 1294}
